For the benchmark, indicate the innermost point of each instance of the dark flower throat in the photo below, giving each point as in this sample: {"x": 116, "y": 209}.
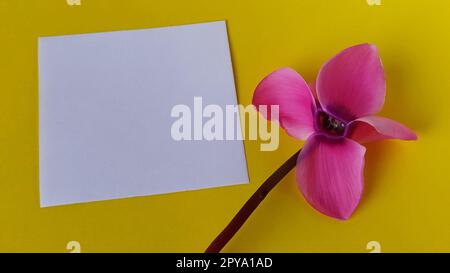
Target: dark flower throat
{"x": 330, "y": 124}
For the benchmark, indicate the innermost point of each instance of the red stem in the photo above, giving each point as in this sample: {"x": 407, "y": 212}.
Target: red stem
{"x": 244, "y": 213}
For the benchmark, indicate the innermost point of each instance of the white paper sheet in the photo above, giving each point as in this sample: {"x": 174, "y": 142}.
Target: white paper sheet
{"x": 104, "y": 113}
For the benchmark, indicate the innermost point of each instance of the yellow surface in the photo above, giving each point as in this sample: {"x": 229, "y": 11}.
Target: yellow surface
{"x": 406, "y": 206}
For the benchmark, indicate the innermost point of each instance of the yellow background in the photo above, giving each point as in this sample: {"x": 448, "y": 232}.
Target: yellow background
{"x": 406, "y": 205}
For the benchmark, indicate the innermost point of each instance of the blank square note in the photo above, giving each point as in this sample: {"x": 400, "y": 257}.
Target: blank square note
{"x": 105, "y": 102}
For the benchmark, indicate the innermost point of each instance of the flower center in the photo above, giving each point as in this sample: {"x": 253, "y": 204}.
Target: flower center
{"x": 330, "y": 124}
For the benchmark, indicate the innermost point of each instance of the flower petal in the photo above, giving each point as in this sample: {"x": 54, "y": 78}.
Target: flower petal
{"x": 352, "y": 84}
{"x": 330, "y": 174}
{"x": 373, "y": 128}
{"x": 286, "y": 88}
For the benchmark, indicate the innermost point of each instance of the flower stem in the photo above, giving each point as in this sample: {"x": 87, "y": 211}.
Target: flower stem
{"x": 244, "y": 213}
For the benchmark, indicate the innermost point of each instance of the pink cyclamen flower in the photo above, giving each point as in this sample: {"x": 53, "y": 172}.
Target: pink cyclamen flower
{"x": 334, "y": 115}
